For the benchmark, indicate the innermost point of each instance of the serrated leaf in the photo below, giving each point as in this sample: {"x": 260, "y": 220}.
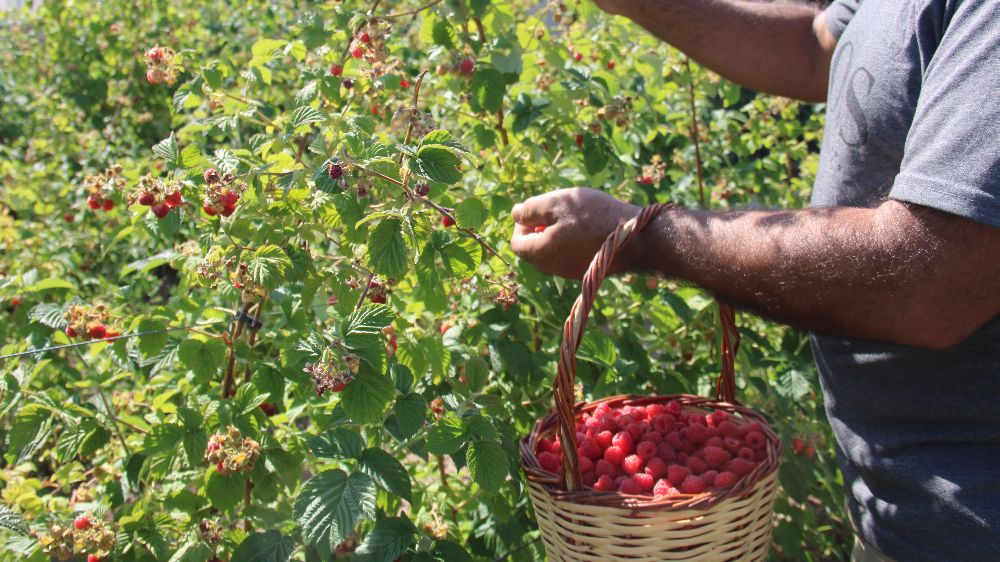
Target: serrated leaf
{"x": 339, "y": 443}
{"x": 192, "y": 552}
{"x": 50, "y": 315}
{"x": 386, "y": 471}
{"x": 11, "y": 520}
{"x": 471, "y": 213}
{"x": 203, "y": 356}
{"x": 437, "y": 163}
{"x": 443, "y": 138}
{"x": 390, "y": 538}
{"x": 28, "y": 425}
{"x": 153, "y": 338}
{"x": 163, "y": 438}
{"x": 368, "y": 320}
{"x": 487, "y": 90}
{"x": 387, "y": 251}
{"x": 225, "y": 492}
{"x": 477, "y": 372}
{"x": 793, "y": 384}
{"x": 247, "y": 399}
{"x": 447, "y": 551}
{"x": 446, "y": 436}
{"x": 331, "y": 505}
{"x": 268, "y": 265}
{"x": 270, "y": 546}
{"x": 411, "y": 412}
{"x": 303, "y": 115}
{"x": 461, "y": 257}
{"x": 168, "y": 150}
{"x": 367, "y": 397}
{"x": 488, "y": 465}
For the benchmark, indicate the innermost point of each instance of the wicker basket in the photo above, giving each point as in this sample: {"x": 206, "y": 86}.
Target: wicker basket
{"x": 581, "y": 524}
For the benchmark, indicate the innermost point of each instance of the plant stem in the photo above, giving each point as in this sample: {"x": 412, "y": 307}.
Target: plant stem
{"x": 695, "y": 135}
{"x": 107, "y": 406}
{"x": 364, "y": 291}
{"x": 227, "y": 380}
{"x": 412, "y": 12}
{"x": 253, "y": 334}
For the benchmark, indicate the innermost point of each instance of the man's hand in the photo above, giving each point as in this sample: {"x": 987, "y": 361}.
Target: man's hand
{"x": 576, "y": 222}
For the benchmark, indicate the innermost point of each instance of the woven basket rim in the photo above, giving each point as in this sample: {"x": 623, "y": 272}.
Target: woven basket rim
{"x": 552, "y": 483}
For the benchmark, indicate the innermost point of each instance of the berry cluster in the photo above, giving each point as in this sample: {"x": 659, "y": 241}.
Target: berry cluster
{"x": 160, "y": 197}
{"x": 221, "y": 193}
{"x": 90, "y": 322}
{"x": 369, "y": 45}
{"x": 800, "y": 447}
{"x": 378, "y": 291}
{"x": 332, "y": 373}
{"x": 619, "y": 111}
{"x": 230, "y": 452}
{"x": 160, "y": 66}
{"x": 654, "y": 172}
{"x": 660, "y": 449}
{"x": 86, "y": 536}
{"x": 101, "y": 188}
{"x": 241, "y": 279}
{"x": 419, "y": 123}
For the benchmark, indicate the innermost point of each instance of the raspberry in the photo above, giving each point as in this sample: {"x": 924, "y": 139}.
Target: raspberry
{"x": 447, "y": 221}
{"x": 709, "y": 477}
{"x": 715, "y": 456}
{"x": 654, "y": 437}
{"x": 589, "y": 478}
{"x": 154, "y": 76}
{"x": 646, "y": 450}
{"x": 228, "y": 210}
{"x": 697, "y": 433}
{"x": 160, "y": 210}
{"x": 404, "y": 83}
{"x": 364, "y": 37}
{"x": 632, "y": 464}
{"x": 609, "y": 423}
{"x": 716, "y": 418}
{"x": 336, "y": 70}
{"x": 646, "y": 180}
{"x": 725, "y": 479}
{"x": 666, "y": 452}
{"x": 614, "y": 455}
{"x": 82, "y": 522}
{"x": 219, "y": 467}
{"x": 674, "y": 408}
{"x": 68, "y": 217}
{"x": 578, "y": 56}
{"x": 715, "y": 442}
{"x": 97, "y": 331}
{"x": 623, "y": 440}
{"x": 732, "y": 444}
{"x": 93, "y": 558}
{"x": 358, "y": 52}
{"x": 656, "y": 468}
{"x": 625, "y": 419}
{"x": 745, "y": 453}
{"x": 549, "y": 462}
{"x": 467, "y": 66}
{"x": 604, "y": 439}
{"x": 586, "y": 465}
{"x": 692, "y": 485}
{"x": 677, "y": 473}
{"x": 556, "y": 448}
{"x": 674, "y": 440}
{"x": 663, "y": 488}
{"x": 539, "y": 229}
{"x": 797, "y": 445}
{"x": 348, "y": 83}
{"x": 229, "y": 198}
{"x": 544, "y": 445}
{"x": 729, "y": 429}
{"x": 108, "y": 204}
{"x": 611, "y": 65}
{"x": 588, "y": 448}
{"x": 423, "y": 190}
{"x": 579, "y": 140}
{"x": 155, "y": 54}
{"x": 654, "y": 410}
{"x": 755, "y": 440}
{"x": 696, "y": 465}
{"x": 146, "y": 199}
{"x": 636, "y": 430}
{"x": 335, "y": 171}
{"x": 740, "y": 466}
{"x": 93, "y": 202}
{"x": 604, "y": 484}
{"x": 644, "y": 481}
{"x": 605, "y": 468}
{"x": 809, "y": 452}
{"x": 268, "y": 409}
{"x": 630, "y": 487}
{"x": 173, "y": 199}
{"x": 70, "y": 332}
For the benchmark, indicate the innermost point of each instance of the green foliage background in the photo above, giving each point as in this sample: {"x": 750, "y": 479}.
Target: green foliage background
{"x": 417, "y": 457}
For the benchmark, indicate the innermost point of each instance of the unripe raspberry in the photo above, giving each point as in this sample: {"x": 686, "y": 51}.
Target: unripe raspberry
{"x": 336, "y": 70}
{"x": 447, "y": 221}
{"x": 82, "y": 522}
{"x": 335, "y": 171}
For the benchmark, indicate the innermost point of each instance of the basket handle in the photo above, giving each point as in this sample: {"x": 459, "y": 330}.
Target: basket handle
{"x": 564, "y": 391}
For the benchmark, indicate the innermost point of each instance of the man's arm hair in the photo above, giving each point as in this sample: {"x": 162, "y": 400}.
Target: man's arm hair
{"x": 782, "y": 49}
{"x": 898, "y": 273}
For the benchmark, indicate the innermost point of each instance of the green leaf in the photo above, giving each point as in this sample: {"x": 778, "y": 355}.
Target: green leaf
{"x": 148, "y": 263}
{"x": 11, "y": 520}
{"x": 471, "y": 213}
{"x": 27, "y": 428}
{"x": 168, "y": 150}
{"x": 390, "y": 538}
{"x": 225, "y": 492}
{"x": 202, "y": 355}
{"x": 446, "y": 436}
{"x": 268, "y": 265}
{"x": 368, "y": 320}
{"x": 387, "y": 252}
{"x": 598, "y": 348}
{"x": 488, "y": 465}
{"x": 411, "y": 412}
{"x": 793, "y": 385}
{"x": 444, "y": 138}
{"x": 331, "y": 505}
{"x": 48, "y": 284}
{"x": 437, "y": 163}
{"x": 247, "y": 399}
{"x": 303, "y": 115}
{"x": 152, "y": 343}
{"x": 192, "y": 552}
{"x": 488, "y": 89}
{"x": 595, "y": 153}
{"x": 367, "y": 397}
{"x": 447, "y": 551}
{"x": 461, "y": 257}
{"x": 337, "y": 444}
{"x": 386, "y": 471}
{"x": 163, "y": 438}
{"x": 477, "y": 372}
{"x": 269, "y": 546}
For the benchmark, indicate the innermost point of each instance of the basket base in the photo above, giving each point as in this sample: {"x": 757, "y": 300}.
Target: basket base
{"x": 735, "y": 529}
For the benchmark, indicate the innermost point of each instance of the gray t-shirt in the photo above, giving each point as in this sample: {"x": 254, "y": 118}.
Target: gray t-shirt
{"x": 914, "y": 115}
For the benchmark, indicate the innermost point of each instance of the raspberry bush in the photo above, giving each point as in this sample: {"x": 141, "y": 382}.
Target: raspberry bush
{"x": 275, "y": 235}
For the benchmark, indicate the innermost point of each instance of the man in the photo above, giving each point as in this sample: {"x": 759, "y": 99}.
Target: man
{"x": 895, "y": 269}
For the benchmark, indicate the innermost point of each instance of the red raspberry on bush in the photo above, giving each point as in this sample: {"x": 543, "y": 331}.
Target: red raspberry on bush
{"x": 160, "y": 210}
{"x": 93, "y": 558}
{"x": 358, "y": 52}
{"x": 336, "y": 70}
{"x": 268, "y": 409}
{"x": 467, "y": 66}
{"x": 447, "y": 221}
{"x": 173, "y": 199}
{"x": 93, "y": 202}
{"x": 82, "y": 522}
{"x": 97, "y": 331}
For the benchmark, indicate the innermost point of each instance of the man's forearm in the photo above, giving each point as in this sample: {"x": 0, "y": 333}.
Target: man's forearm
{"x": 767, "y": 47}
{"x": 889, "y": 274}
